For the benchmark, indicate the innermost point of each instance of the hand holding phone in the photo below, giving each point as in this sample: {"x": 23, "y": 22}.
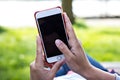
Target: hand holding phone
{"x": 51, "y": 26}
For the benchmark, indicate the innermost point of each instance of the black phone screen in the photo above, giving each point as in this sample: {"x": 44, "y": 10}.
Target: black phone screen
{"x": 52, "y": 28}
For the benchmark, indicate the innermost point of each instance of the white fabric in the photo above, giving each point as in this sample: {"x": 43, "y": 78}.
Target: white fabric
{"x": 73, "y": 76}
{"x": 117, "y": 77}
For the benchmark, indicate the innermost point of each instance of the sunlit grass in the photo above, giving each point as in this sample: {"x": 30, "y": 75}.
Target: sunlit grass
{"x": 18, "y": 48}
{"x": 101, "y": 43}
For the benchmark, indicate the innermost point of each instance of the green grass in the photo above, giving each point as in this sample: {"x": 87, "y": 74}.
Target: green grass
{"x": 102, "y": 44}
{"x": 18, "y": 48}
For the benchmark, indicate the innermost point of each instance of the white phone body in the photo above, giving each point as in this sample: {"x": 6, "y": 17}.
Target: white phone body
{"x": 42, "y": 15}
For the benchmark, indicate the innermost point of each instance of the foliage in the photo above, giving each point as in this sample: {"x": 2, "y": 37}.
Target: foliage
{"x": 17, "y": 48}
{"x": 101, "y": 43}
{"x": 2, "y": 29}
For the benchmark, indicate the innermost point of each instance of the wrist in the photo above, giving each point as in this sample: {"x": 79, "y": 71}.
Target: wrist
{"x": 93, "y": 73}
{"x": 87, "y": 72}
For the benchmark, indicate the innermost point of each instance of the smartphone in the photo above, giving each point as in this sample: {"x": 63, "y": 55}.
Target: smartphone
{"x": 50, "y": 24}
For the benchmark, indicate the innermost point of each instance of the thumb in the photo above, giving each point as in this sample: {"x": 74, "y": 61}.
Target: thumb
{"x": 56, "y": 67}
{"x": 63, "y": 48}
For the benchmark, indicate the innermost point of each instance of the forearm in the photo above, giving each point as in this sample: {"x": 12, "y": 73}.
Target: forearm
{"x": 96, "y": 74}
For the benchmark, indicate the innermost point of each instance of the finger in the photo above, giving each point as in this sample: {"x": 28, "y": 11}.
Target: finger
{"x": 56, "y": 67}
{"x": 32, "y": 67}
{"x": 63, "y": 48}
{"x": 39, "y": 56}
{"x": 70, "y": 31}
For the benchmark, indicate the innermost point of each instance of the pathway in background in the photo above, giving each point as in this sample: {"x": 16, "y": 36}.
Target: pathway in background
{"x": 103, "y": 22}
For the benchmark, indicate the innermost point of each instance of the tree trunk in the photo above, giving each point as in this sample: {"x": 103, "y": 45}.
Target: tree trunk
{"x": 67, "y": 7}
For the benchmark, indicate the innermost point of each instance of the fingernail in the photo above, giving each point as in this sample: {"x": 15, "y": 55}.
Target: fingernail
{"x": 58, "y": 42}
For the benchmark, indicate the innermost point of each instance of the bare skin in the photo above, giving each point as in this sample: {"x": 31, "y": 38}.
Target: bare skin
{"x": 74, "y": 57}
{"x": 37, "y": 70}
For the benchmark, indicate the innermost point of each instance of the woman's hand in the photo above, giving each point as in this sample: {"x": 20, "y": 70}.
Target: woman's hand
{"x": 75, "y": 56}
{"x": 37, "y": 69}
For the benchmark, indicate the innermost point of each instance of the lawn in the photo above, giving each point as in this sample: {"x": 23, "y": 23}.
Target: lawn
{"x": 17, "y": 48}
{"x": 101, "y": 43}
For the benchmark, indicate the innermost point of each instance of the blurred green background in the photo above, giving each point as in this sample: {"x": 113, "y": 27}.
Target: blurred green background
{"x": 18, "y": 46}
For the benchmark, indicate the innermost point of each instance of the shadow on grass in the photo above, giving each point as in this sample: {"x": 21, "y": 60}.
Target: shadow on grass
{"x": 80, "y": 24}
{"x": 2, "y": 29}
